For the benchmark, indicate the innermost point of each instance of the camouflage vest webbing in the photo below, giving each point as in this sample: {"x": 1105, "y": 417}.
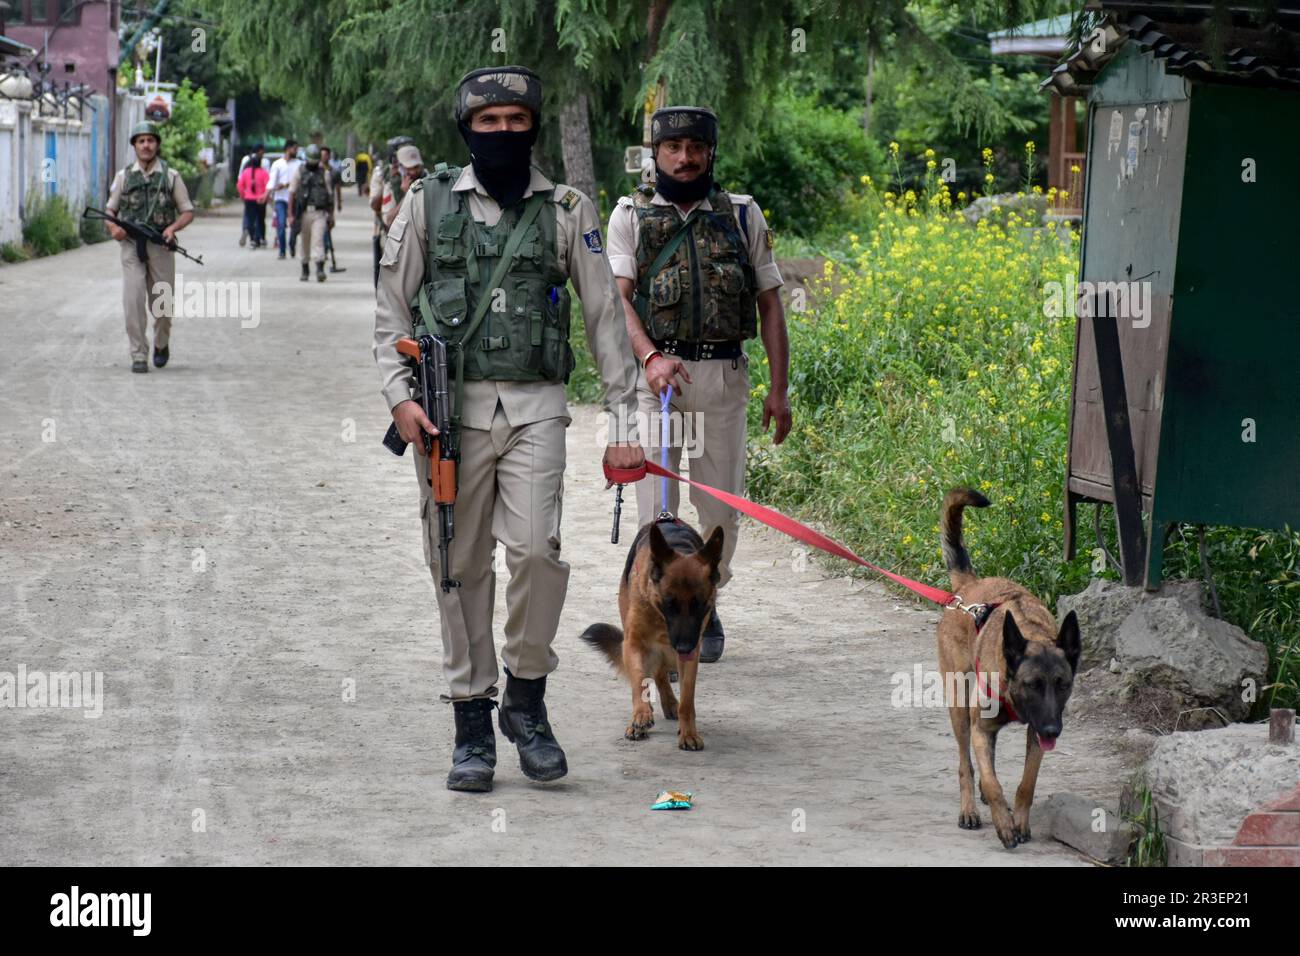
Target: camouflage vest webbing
{"x": 312, "y": 188}
{"x": 704, "y": 289}
{"x": 148, "y": 199}
{"x": 524, "y": 333}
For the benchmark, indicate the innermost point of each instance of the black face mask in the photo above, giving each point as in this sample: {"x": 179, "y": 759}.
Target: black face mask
{"x": 680, "y": 190}
{"x": 502, "y": 161}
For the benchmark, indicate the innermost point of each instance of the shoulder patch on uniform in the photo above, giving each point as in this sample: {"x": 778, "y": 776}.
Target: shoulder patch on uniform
{"x": 769, "y": 238}
{"x": 569, "y": 200}
{"x": 592, "y": 239}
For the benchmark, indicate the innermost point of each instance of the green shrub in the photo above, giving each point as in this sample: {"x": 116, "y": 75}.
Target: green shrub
{"x": 181, "y": 133}
{"x": 929, "y": 364}
{"x": 92, "y": 231}
{"x": 13, "y": 252}
{"x": 807, "y": 161}
{"x": 1148, "y": 847}
{"x": 50, "y": 226}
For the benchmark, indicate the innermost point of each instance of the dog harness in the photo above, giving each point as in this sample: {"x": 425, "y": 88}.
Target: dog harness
{"x": 981, "y": 613}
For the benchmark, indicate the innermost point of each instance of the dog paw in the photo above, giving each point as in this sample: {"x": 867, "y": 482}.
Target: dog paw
{"x": 642, "y": 721}
{"x": 1022, "y": 834}
{"x": 969, "y": 820}
{"x": 690, "y": 741}
{"x": 1008, "y": 837}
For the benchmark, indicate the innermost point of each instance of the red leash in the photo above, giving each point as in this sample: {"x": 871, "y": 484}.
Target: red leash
{"x": 786, "y": 525}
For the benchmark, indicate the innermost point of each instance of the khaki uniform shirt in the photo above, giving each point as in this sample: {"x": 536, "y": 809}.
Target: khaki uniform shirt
{"x": 624, "y": 235}
{"x": 580, "y": 257}
{"x": 180, "y": 195}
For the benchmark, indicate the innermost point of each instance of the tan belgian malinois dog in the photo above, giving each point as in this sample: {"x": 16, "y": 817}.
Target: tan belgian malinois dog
{"x": 1023, "y": 672}
{"x": 665, "y": 599}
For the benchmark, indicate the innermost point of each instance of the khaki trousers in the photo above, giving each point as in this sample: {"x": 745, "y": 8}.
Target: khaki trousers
{"x": 510, "y": 489}
{"x": 311, "y": 239}
{"x": 140, "y": 299}
{"x": 708, "y": 418}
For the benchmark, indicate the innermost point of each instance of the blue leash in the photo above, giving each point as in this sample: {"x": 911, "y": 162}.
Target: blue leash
{"x": 664, "y": 432}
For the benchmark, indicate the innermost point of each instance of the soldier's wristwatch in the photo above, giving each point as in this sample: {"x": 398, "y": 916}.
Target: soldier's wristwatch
{"x": 645, "y": 359}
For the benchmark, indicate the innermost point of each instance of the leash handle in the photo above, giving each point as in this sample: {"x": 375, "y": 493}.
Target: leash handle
{"x": 664, "y": 434}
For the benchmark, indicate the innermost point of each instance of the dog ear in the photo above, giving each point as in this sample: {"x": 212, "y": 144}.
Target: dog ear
{"x": 660, "y": 550}
{"x": 1013, "y": 644}
{"x": 1069, "y": 640}
{"x": 711, "y": 553}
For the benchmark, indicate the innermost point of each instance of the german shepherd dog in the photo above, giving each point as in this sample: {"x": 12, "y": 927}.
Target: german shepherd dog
{"x": 665, "y": 599}
{"x": 1024, "y": 669}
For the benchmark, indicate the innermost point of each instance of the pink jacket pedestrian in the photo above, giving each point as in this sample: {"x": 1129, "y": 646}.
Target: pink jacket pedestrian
{"x": 252, "y": 183}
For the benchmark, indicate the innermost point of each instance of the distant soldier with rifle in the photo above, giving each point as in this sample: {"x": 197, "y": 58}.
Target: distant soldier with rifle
{"x": 378, "y": 180}
{"x": 477, "y": 262}
{"x": 148, "y": 192}
{"x": 311, "y": 205}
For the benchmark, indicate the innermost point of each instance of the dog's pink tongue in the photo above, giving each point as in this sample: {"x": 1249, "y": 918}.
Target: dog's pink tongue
{"x": 1045, "y": 743}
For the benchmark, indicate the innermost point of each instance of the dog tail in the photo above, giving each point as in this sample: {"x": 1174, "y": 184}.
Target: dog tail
{"x": 607, "y": 639}
{"x": 955, "y": 558}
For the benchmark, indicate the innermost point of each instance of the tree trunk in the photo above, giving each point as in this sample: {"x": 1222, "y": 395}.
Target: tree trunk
{"x": 575, "y": 142}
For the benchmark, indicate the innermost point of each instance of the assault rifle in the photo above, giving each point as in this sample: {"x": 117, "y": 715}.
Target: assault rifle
{"x": 142, "y": 233}
{"x": 430, "y": 355}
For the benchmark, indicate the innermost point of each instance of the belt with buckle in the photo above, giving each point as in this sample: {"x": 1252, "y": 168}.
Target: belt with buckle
{"x": 697, "y": 351}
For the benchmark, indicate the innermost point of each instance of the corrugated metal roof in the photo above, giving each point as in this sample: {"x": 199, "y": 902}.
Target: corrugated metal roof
{"x": 12, "y": 47}
{"x": 1047, "y": 27}
{"x": 1183, "y": 35}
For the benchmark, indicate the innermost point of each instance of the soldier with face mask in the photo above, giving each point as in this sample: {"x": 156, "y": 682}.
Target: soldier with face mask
{"x": 695, "y": 268}
{"x": 152, "y": 193}
{"x": 311, "y": 203}
{"x": 482, "y": 256}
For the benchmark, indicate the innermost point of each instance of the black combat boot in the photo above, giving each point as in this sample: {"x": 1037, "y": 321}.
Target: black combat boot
{"x": 712, "y": 640}
{"x": 523, "y": 721}
{"x": 320, "y": 272}
{"x": 306, "y": 272}
{"x": 475, "y": 756}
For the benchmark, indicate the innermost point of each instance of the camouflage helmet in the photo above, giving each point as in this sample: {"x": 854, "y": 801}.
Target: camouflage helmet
{"x": 313, "y": 154}
{"x": 677, "y": 122}
{"x": 498, "y": 86}
{"x": 394, "y": 144}
{"x": 144, "y": 129}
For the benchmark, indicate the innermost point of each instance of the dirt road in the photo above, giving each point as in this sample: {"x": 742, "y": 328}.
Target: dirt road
{"x": 227, "y": 542}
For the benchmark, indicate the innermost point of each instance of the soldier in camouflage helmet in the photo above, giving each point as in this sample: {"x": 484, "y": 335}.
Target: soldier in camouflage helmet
{"x": 695, "y": 267}
{"x": 151, "y": 192}
{"x": 499, "y": 231}
{"x": 311, "y": 205}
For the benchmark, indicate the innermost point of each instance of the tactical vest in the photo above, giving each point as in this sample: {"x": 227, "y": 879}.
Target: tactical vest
{"x": 705, "y": 290}
{"x": 524, "y": 335}
{"x": 311, "y": 187}
{"x": 148, "y": 199}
